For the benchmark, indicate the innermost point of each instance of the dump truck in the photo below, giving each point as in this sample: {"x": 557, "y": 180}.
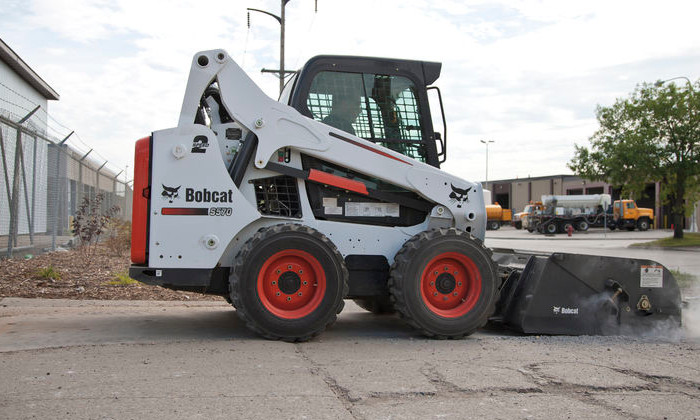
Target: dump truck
{"x": 580, "y": 212}
{"x": 286, "y": 208}
{"x": 628, "y": 216}
{"x": 521, "y": 218}
{"x": 497, "y": 216}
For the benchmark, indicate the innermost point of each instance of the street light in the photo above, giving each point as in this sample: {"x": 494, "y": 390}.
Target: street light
{"x": 691, "y": 92}
{"x": 281, "y": 73}
{"x": 486, "y": 142}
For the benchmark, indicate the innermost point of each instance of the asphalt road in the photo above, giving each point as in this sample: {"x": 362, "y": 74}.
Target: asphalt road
{"x": 97, "y": 359}
{"x": 598, "y": 242}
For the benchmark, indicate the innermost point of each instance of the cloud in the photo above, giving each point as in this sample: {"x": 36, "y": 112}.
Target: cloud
{"x": 527, "y": 74}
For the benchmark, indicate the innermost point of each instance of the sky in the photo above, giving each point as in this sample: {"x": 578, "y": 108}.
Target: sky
{"x": 526, "y": 74}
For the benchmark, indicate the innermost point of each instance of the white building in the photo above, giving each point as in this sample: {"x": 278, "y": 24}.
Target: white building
{"x": 21, "y": 90}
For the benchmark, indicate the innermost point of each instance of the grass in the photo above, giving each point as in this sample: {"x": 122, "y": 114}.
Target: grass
{"x": 49, "y": 273}
{"x": 122, "y": 279}
{"x": 684, "y": 280}
{"x": 689, "y": 240}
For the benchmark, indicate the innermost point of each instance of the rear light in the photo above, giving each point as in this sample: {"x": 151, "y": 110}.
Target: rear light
{"x": 139, "y": 215}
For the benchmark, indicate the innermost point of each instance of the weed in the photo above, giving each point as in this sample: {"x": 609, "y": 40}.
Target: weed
{"x": 49, "y": 273}
{"x": 122, "y": 279}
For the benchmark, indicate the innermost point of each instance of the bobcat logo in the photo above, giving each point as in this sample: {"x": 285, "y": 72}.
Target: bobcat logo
{"x": 200, "y": 144}
{"x": 556, "y": 309}
{"x": 170, "y": 193}
{"x": 459, "y": 195}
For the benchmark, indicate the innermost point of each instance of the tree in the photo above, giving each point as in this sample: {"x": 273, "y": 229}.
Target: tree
{"x": 651, "y": 136}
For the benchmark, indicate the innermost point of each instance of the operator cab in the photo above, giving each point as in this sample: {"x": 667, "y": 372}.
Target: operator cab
{"x": 381, "y": 100}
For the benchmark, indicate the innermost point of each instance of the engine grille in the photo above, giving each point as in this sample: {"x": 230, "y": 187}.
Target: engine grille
{"x": 278, "y": 196}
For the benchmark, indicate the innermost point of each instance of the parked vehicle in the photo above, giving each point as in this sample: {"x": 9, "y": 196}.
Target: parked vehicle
{"x": 627, "y": 215}
{"x": 497, "y": 216}
{"x": 578, "y": 211}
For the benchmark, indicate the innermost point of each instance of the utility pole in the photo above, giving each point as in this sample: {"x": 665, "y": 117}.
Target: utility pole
{"x": 486, "y": 142}
{"x": 281, "y": 73}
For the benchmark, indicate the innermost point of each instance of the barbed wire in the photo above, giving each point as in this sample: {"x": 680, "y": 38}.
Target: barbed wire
{"x": 57, "y": 134}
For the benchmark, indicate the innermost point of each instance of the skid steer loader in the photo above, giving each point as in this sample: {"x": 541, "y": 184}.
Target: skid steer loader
{"x": 334, "y": 192}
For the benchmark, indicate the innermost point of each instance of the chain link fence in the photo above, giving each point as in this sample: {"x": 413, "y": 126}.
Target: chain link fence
{"x": 43, "y": 182}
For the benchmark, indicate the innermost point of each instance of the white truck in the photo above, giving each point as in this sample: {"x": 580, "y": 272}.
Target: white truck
{"x": 578, "y": 211}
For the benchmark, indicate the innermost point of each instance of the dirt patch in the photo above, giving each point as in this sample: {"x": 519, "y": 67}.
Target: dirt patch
{"x": 74, "y": 275}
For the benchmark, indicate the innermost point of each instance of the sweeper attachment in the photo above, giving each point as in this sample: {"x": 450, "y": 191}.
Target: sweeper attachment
{"x": 585, "y": 295}
{"x": 334, "y": 192}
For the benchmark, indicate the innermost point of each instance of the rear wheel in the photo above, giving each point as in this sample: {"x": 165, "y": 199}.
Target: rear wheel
{"x": 551, "y": 228}
{"x": 494, "y": 225}
{"x": 518, "y": 225}
{"x": 444, "y": 283}
{"x": 582, "y": 225}
{"x": 379, "y": 305}
{"x": 288, "y": 282}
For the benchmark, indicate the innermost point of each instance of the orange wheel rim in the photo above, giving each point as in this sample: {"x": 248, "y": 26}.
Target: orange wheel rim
{"x": 291, "y": 284}
{"x": 450, "y": 285}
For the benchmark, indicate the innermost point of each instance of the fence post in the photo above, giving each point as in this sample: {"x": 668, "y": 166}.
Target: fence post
{"x": 114, "y": 191}
{"x": 26, "y": 197}
{"x": 59, "y": 147}
{"x": 14, "y": 203}
{"x": 81, "y": 189}
{"x": 33, "y": 212}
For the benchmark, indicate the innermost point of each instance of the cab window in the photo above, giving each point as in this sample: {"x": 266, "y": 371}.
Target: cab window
{"x": 629, "y": 205}
{"x": 380, "y": 108}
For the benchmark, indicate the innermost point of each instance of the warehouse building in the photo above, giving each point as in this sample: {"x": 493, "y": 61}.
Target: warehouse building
{"x": 516, "y": 193}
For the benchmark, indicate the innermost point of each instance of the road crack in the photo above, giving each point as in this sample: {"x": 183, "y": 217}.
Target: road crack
{"x": 341, "y": 393}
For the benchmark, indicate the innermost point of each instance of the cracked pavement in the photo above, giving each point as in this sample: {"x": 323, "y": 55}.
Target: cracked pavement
{"x": 98, "y": 359}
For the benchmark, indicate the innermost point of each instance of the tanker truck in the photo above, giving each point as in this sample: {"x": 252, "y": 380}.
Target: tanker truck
{"x": 497, "y": 216}
{"x": 578, "y": 211}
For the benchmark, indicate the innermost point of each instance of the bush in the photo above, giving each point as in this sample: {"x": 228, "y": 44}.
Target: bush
{"x": 89, "y": 223}
{"x": 118, "y": 233}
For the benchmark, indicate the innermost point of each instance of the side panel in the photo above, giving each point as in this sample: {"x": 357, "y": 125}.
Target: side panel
{"x": 139, "y": 215}
{"x": 196, "y": 209}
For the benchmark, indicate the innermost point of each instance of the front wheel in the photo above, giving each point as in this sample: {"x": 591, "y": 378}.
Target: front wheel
{"x": 494, "y": 225}
{"x": 444, "y": 283}
{"x": 643, "y": 224}
{"x": 288, "y": 282}
{"x": 551, "y": 228}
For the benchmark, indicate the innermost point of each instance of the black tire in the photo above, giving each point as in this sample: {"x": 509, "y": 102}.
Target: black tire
{"x": 530, "y": 229}
{"x": 643, "y": 224}
{"x": 277, "y": 265}
{"x": 551, "y": 228}
{"x": 464, "y": 286}
{"x": 378, "y": 305}
{"x": 518, "y": 225}
{"x": 582, "y": 225}
{"x": 494, "y": 225}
